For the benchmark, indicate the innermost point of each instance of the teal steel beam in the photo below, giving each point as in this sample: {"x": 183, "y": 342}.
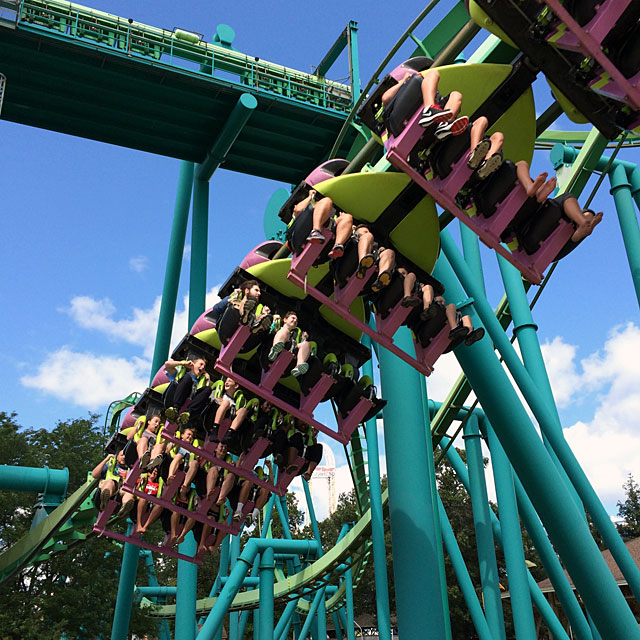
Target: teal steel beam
{"x": 234, "y": 616}
{"x": 126, "y": 585}
{"x": 523, "y": 622}
{"x": 350, "y": 612}
{"x": 562, "y": 519}
{"x": 336, "y": 624}
{"x": 417, "y": 579}
{"x": 460, "y": 569}
{"x": 525, "y": 330}
{"x": 471, "y": 249}
{"x": 174, "y": 264}
{"x": 312, "y": 513}
{"x": 334, "y": 53}
{"x": 621, "y": 191}
{"x": 267, "y": 567}
{"x": 444, "y": 592}
{"x": 163, "y": 631}
{"x": 313, "y": 610}
{"x": 154, "y": 592}
{"x": 354, "y": 60}
{"x": 546, "y": 420}
{"x": 236, "y": 576}
{"x": 482, "y": 525}
{"x": 227, "y": 136}
{"x": 565, "y": 594}
{"x": 377, "y": 517}
{"x": 282, "y": 628}
{"x": 185, "y": 628}
{"x": 36, "y": 480}
{"x": 199, "y": 244}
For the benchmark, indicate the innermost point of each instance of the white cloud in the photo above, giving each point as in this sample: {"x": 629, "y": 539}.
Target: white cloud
{"x": 138, "y": 264}
{"x": 86, "y": 379}
{"x": 139, "y": 328}
{"x": 559, "y": 358}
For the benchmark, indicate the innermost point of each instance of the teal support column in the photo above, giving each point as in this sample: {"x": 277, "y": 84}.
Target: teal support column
{"x": 186, "y": 596}
{"x": 354, "y": 60}
{"x": 282, "y": 628}
{"x": 525, "y": 331}
{"x": 562, "y": 519}
{"x": 471, "y": 249}
{"x": 312, "y": 512}
{"x": 322, "y": 620}
{"x": 482, "y": 525}
{"x": 342, "y": 614}
{"x": 350, "y": 618}
{"x": 234, "y": 616}
{"x": 336, "y": 624}
{"x": 267, "y": 567}
{"x": 174, "y": 264}
{"x": 621, "y": 191}
{"x": 377, "y": 517}
{"x": 306, "y": 548}
{"x": 523, "y": 622}
{"x": 417, "y": 579}
{"x": 546, "y": 419}
{"x": 225, "y": 138}
{"x": 126, "y": 585}
{"x": 460, "y": 569}
{"x": 313, "y": 609}
{"x": 543, "y": 606}
{"x": 444, "y": 592}
{"x": 199, "y": 246}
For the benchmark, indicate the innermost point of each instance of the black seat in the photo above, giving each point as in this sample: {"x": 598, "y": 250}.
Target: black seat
{"x": 389, "y": 297}
{"x": 426, "y": 330}
{"x": 539, "y": 227}
{"x": 403, "y": 105}
{"x": 346, "y": 266}
{"x": 488, "y": 194}
{"x": 447, "y": 153}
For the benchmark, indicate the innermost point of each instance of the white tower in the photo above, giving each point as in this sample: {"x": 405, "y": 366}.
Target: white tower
{"x": 325, "y": 476}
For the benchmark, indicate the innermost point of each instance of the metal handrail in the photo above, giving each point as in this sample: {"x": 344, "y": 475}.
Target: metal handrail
{"x": 175, "y": 48}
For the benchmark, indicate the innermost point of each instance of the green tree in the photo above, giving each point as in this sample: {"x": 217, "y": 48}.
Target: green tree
{"x": 71, "y": 594}
{"x": 629, "y": 510}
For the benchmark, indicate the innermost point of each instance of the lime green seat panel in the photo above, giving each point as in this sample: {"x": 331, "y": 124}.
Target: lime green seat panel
{"x": 484, "y": 21}
{"x": 476, "y": 82}
{"x": 367, "y": 195}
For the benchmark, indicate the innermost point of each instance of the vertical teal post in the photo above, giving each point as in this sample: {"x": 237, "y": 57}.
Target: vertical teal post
{"x": 124, "y": 599}
{"x": 354, "y": 61}
{"x": 436, "y": 511}
{"x": 199, "y": 236}
{"x": 523, "y": 621}
{"x": 482, "y": 525}
{"x": 417, "y": 579}
{"x": 174, "y": 263}
{"x": 377, "y": 517}
{"x": 561, "y": 517}
{"x": 621, "y": 190}
{"x": 462, "y": 574}
{"x": 186, "y": 595}
{"x": 234, "y": 616}
{"x": 336, "y": 624}
{"x": 351, "y": 627}
{"x": 267, "y": 567}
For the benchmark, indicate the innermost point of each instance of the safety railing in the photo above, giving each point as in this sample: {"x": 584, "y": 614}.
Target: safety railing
{"x": 182, "y": 49}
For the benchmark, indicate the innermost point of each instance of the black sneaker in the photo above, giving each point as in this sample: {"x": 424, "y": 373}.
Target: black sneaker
{"x": 451, "y": 128}
{"x": 489, "y": 166}
{"x": 337, "y": 251}
{"x": 433, "y": 114}
{"x": 315, "y": 237}
{"x": 247, "y": 311}
{"x": 476, "y": 157}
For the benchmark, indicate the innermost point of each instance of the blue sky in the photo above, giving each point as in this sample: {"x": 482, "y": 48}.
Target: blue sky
{"x": 86, "y": 228}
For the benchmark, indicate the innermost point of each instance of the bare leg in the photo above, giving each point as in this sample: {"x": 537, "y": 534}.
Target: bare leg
{"x": 173, "y": 468}
{"x": 451, "y": 315}
{"x": 206, "y": 532}
{"x": 454, "y": 104}
{"x": 304, "y": 350}
{"x": 585, "y": 223}
{"x": 546, "y": 190}
{"x": 142, "y": 446}
{"x": 427, "y": 296}
{"x": 241, "y": 414}
{"x": 245, "y": 491}
{"x": 466, "y": 322}
{"x": 497, "y": 140}
{"x": 365, "y": 242}
{"x": 292, "y": 455}
{"x": 263, "y": 496}
{"x": 524, "y": 177}
{"x": 141, "y": 510}
{"x": 344, "y": 226}
{"x": 153, "y": 516}
{"x": 282, "y": 335}
{"x": 322, "y": 212}
{"x": 188, "y": 525}
{"x": 387, "y": 260}
{"x": 429, "y": 87}
{"x": 227, "y": 485}
{"x": 188, "y": 479}
{"x": 212, "y": 477}
{"x": 221, "y": 411}
{"x": 478, "y": 129}
{"x": 175, "y": 521}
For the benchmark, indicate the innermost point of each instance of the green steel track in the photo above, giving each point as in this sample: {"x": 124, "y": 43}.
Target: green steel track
{"x": 167, "y": 93}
